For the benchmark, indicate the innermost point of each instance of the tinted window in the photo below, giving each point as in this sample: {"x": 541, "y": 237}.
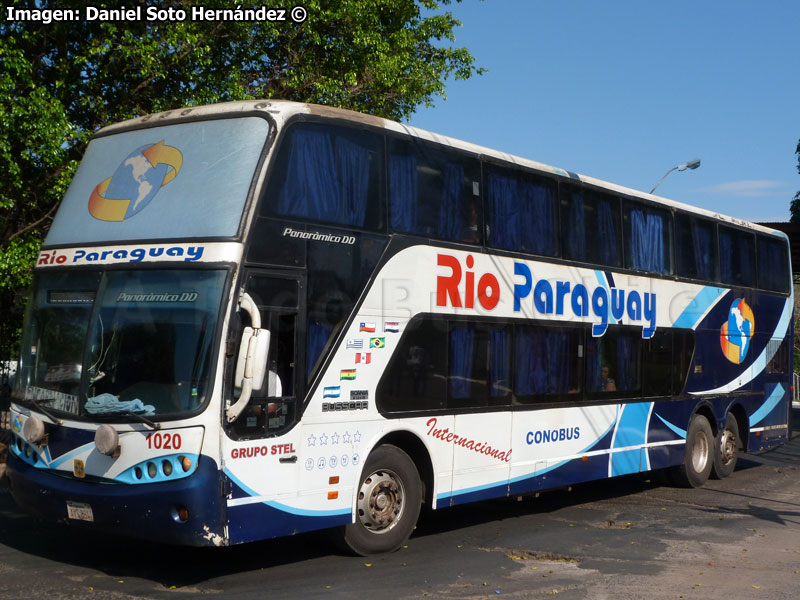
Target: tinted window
{"x": 329, "y": 175}
{"x": 696, "y": 248}
{"x": 548, "y": 363}
{"x": 613, "y": 363}
{"x": 416, "y": 378}
{"x": 337, "y": 274}
{"x": 521, "y": 211}
{"x": 590, "y": 226}
{"x": 648, "y": 235}
{"x": 433, "y": 193}
{"x": 736, "y": 257}
{"x": 773, "y": 264}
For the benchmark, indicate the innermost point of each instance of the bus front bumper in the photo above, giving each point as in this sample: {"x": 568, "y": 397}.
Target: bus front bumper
{"x": 147, "y": 511}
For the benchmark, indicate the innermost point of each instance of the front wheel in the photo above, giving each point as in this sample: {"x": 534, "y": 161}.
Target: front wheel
{"x": 388, "y": 503}
{"x": 726, "y": 448}
{"x": 698, "y": 456}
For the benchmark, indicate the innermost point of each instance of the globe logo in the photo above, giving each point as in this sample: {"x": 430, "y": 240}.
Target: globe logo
{"x": 737, "y": 331}
{"x": 135, "y": 182}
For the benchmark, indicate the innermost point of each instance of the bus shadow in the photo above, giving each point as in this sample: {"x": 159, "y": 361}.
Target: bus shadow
{"x": 169, "y": 566}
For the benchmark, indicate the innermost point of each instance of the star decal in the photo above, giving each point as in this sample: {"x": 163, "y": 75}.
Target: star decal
{"x": 357, "y": 437}
{"x": 335, "y": 438}
{"x": 323, "y": 440}
{"x": 346, "y": 438}
{"x": 312, "y": 441}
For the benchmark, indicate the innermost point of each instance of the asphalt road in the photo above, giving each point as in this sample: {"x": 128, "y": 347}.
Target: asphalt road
{"x": 625, "y": 538}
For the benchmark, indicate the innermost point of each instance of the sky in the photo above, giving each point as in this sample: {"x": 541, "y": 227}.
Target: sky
{"x": 624, "y": 90}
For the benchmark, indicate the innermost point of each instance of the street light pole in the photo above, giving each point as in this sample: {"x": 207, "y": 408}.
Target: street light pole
{"x": 691, "y": 165}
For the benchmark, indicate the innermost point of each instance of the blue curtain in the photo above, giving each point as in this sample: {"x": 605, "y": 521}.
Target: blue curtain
{"x": 318, "y": 334}
{"x": 536, "y": 227}
{"x": 576, "y": 228}
{"x": 593, "y": 365}
{"x": 499, "y": 367}
{"x": 462, "y": 342}
{"x": 504, "y": 213}
{"x": 607, "y": 234}
{"x": 628, "y": 363}
{"x": 647, "y": 241}
{"x": 543, "y": 362}
{"x": 701, "y": 243}
{"x": 451, "y": 209}
{"x": 353, "y": 167}
{"x": 310, "y": 189}
{"x": 403, "y": 193}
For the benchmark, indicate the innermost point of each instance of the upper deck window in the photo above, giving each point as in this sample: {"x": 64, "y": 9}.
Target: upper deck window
{"x": 328, "y": 174}
{"x": 696, "y": 248}
{"x": 773, "y": 264}
{"x": 521, "y": 212}
{"x": 648, "y": 238}
{"x": 433, "y": 193}
{"x": 189, "y": 180}
{"x": 590, "y": 226}
{"x": 737, "y": 257}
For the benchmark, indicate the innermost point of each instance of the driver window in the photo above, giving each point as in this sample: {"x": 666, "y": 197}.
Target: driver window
{"x": 272, "y": 408}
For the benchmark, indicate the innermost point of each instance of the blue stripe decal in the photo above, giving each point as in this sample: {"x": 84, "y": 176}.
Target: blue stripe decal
{"x": 282, "y": 507}
{"x": 680, "y": 432}
{"x": 774, "y": 398}
{"x": 65, "y": 457}
{"x": 699, "y": 306}
{"x": 631, "y": 431}
{"x": 601, "y": 279}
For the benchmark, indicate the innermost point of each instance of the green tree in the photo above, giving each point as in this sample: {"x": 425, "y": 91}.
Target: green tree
{"x": 62, "y": 81}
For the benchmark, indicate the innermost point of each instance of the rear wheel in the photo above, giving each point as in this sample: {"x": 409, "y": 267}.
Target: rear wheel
{"x": 698, "y": 459}
{"x": 388, "y": 503}
{"x": 726, "y": 448}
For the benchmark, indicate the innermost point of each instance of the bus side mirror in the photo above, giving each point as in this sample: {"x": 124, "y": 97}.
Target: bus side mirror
{"x": 251, "y": 366}
{"x": 253, "y": 355}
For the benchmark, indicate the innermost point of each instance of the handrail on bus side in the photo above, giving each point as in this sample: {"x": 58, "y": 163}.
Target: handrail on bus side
{"x": 253, "y": 358}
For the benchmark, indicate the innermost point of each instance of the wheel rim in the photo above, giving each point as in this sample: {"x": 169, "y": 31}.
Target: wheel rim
{"x": 727, "y": 446}
{"x": 699, "y": 452}
{"x": 381, "y": 501}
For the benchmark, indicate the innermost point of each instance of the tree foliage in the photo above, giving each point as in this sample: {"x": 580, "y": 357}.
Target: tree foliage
{"x": 62, "y": 81}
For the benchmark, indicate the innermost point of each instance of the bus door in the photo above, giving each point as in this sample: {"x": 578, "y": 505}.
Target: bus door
{"x": 263, "y": 451}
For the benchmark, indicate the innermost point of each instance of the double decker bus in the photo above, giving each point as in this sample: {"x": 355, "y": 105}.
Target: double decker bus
{"x": 260, "y": 318}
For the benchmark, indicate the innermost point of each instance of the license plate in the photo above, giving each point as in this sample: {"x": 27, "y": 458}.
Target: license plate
{"x": 79, "y": 511}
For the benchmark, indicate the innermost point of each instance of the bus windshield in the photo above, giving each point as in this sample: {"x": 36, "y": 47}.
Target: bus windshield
{"x": 105, "y": 344}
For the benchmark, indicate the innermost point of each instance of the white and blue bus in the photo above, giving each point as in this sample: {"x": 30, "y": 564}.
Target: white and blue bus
{"x": 260, "y": 318}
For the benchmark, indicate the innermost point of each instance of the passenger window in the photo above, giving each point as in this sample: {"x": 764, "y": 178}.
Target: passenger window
{"x": 736, "y": 257}
{"x": 696, "y": 248}
{"x": 434, "y": 193}
{"x": 521, "y": 212}
{"x": 773, "y": 264}
{"x": 590, "y": 226}
{"x": 648, "y": 238}
{"x": 328, "y": 174}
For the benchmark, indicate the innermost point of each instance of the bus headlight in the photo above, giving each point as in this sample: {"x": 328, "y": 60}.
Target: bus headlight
{"x": 106, "y": 439}
{"x": 33, "y": 430}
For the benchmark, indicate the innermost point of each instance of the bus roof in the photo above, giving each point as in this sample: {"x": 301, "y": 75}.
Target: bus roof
{"x": 282, "y": 110}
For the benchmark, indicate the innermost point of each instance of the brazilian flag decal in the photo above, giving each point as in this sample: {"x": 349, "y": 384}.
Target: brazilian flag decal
{"x": 377, "y": 342}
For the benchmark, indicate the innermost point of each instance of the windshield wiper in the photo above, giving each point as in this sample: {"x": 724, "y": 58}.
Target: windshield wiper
{"x": 142, "y": 418}
{"x": 38, "y": 404}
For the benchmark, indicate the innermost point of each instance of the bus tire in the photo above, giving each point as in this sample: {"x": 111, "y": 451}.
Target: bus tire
{"x": 388, "y": 503}
{"x": 698, "y": 457}
{"x": 726, "y": 448}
